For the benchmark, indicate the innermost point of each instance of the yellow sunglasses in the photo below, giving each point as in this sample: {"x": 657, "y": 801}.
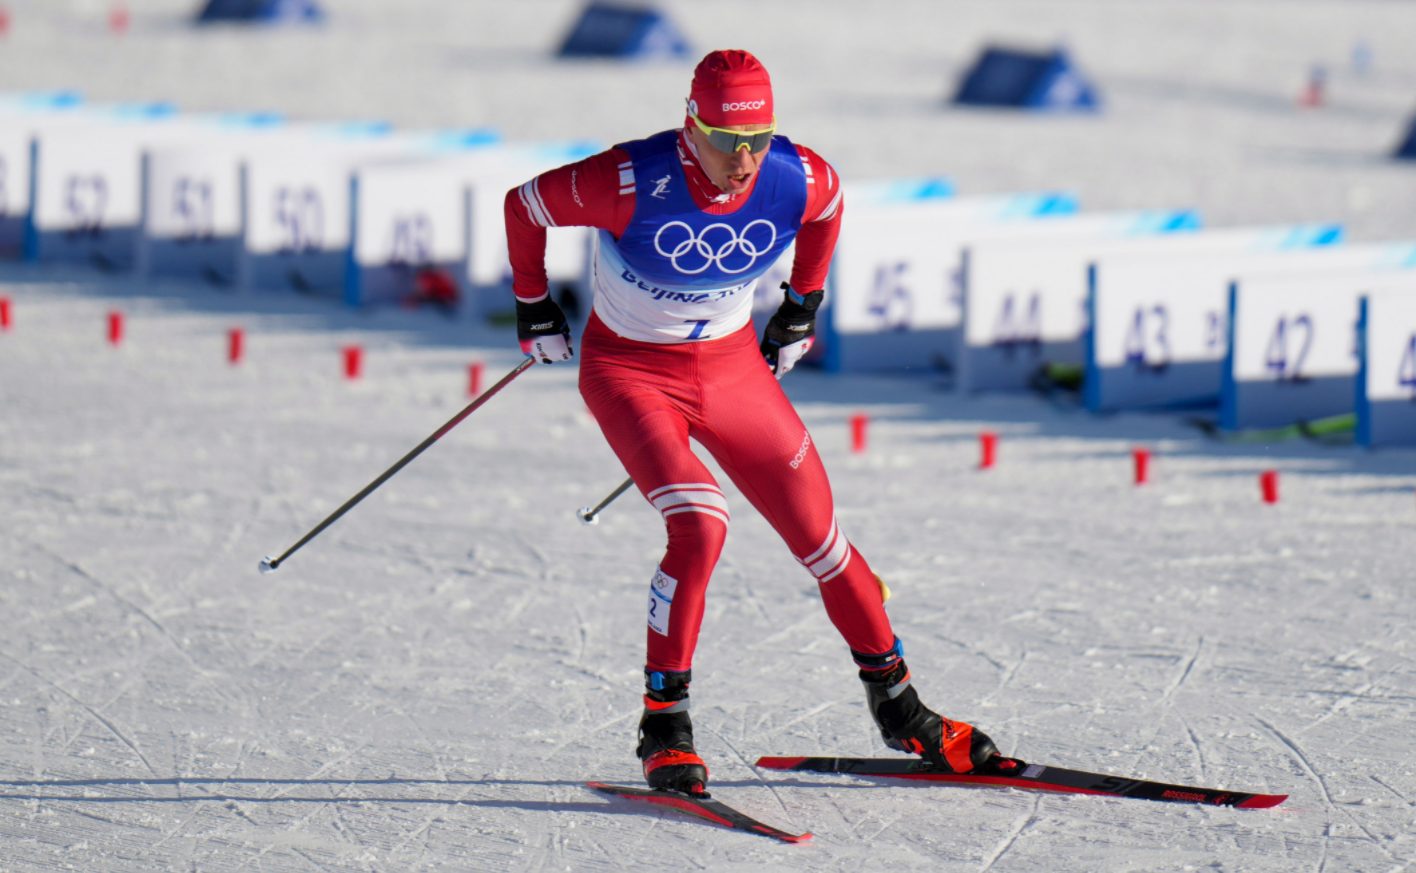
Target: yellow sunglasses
{"x": 730, "y": 141}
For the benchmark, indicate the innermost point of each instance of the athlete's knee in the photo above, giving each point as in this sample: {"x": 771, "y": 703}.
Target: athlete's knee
{"x": 693, "y": 512}
{"x": 701, "y": 532}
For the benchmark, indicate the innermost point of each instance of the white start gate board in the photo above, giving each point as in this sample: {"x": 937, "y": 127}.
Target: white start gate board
{"x": 1386, "y": 374}
{"x": 86, "y": 194}
{"x": 894, "y": 294}
{"x": 20, "y": 117}
{"x": 297, "y": 210}
{"x": 1025, "y": 298}
{"x": 193, "y": 224}
{"x": 1159, "y": 330}
{"x": 1293, "y": 343}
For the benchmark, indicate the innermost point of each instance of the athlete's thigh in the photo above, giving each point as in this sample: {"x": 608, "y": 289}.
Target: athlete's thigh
{"x": 756, "y": 435}
{"x": 647, "y": 430}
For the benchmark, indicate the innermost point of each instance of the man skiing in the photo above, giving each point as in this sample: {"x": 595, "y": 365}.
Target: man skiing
{"x": 688, "y": 220}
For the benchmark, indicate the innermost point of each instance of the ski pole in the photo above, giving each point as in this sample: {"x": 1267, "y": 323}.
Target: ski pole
{"x": 270, "y": 565}
{"x": 591, "y": 516}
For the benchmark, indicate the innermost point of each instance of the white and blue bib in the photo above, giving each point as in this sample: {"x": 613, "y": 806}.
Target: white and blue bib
{"x": 679, "y": 274}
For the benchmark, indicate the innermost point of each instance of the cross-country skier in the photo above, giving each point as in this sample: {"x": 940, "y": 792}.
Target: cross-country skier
{"x": 688, "y": 220}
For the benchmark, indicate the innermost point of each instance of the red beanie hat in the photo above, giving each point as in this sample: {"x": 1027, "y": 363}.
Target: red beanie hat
{"x": 731, "y": 87}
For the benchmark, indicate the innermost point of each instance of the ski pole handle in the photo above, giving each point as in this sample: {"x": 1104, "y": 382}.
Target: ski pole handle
{"x": 270, "y": 565}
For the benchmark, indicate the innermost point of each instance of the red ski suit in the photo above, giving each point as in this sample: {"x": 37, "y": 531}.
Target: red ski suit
{"x": 651, "y": 392}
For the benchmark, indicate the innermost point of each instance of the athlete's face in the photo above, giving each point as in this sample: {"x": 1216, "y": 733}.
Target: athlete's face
{"x": 732, "y": 172}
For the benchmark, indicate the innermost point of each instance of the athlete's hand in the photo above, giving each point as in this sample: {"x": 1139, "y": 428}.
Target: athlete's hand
{"x": 543, "y": 332}
{"x": 792, "y": 330}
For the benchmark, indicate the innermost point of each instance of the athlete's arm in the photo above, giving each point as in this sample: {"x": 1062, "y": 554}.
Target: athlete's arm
{"x": 588, "y": 193}
{"x": 821, "y": 223}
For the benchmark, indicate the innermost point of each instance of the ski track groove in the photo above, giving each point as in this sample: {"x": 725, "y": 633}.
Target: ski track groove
{"x": 771, "y": 787}
{"x": 1302, "y": 758}
{"x": 1007, "y": 678}
{"x": 1184, "y": 672}
{"x": 1020, "y": 826}
{"x": 179, "y": 828}
{"x": 76, "y": 568}
{"x": 583, "y": 636}
{"x": 301, "y": 655}
{"x": 808, "y": 714}
{"x": 421, "y": 830}
{"x": 1343, "y": 699}
{"x": 300, "y": 827}
{"x": 97, "y": 716}
{"x": 434, "y": 811}
{"x": 976, "y": 652}
{"x": 750, "y": 595}
{"x": 311, "y": 861}
{"x": 1402, "y": 797}
{"x": 1195, "y": 744}
{"x": 349, "y": 835}
{"x": 770, "y": 641}
{"x": 886, "y": 822}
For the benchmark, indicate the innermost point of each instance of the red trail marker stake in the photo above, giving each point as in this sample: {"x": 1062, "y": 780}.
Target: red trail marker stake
{"x": 235, "y": 345}
{"x": 115, "y": 328}
{"x": 119, "y": 19}
{"x": 474, "y": 379}
{"x": 987, "y": 450}
{"x": 4, "y": 313}
{"x": 1268, "y": 485}
{"x": 1313, "y": 92}
{"x": 1141, "y": 460}
{"x": 353, "y": 362}
{"x": 860, "y": 422}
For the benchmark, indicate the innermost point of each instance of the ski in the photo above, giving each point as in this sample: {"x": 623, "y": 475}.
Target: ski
{"x": 1012, "y": 773}
{"x": 702, "y": 806}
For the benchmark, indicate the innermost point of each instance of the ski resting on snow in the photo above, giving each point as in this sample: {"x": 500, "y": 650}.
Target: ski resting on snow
{"x": 1012, "y": 773}
{"x": 1008, "y": 773}
{"x": 702, "y": 806}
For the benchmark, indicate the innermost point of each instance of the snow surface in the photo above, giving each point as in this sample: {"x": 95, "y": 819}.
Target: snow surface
{"x": 427, "y": 684}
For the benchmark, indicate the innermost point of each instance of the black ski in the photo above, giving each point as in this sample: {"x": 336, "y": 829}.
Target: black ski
{"x": 1012, "y": 773}
{"x": 703, "y": 806}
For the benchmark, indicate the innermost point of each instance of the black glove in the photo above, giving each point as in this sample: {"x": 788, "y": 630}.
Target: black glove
{"x": 792, "y": 330}
{"x": 543, "y": 332}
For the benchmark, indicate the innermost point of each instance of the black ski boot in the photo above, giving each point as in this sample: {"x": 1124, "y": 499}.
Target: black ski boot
{"x": 907, "y": 725}
{"x": 666, "y": 736}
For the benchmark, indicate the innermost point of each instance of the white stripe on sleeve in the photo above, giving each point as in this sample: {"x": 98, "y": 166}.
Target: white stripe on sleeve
{"x": 531, "y": 199}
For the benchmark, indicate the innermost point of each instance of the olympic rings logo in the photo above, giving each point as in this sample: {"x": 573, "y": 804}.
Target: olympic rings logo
{"x": 717, "y": 245}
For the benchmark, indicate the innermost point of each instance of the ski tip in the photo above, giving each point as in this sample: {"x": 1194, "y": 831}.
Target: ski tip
{"x": 779, "y": 763}
{"x": 1262, "y": 801}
